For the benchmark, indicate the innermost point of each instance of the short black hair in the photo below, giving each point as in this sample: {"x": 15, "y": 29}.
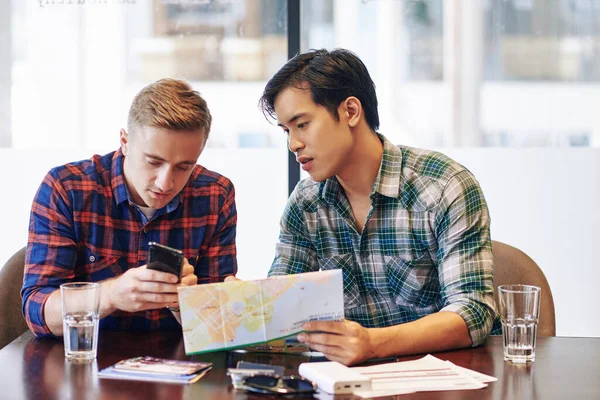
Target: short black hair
{"x": 331, "y": 76}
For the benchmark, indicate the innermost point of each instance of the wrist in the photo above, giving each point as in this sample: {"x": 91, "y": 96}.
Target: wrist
{"x": 372, "y": 343}
{"x": 106, "y": 298}
{"x": 379, "y": 343}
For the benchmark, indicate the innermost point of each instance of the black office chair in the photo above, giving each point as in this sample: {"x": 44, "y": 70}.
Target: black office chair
{"x": 12, "y": 323}
{"x": 512, "y": 266}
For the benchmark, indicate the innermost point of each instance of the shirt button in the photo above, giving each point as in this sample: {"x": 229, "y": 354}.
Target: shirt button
{"x": 92, "y": 258}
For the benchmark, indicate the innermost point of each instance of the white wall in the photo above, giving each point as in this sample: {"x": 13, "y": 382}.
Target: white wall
{"x": 543, "y": 201}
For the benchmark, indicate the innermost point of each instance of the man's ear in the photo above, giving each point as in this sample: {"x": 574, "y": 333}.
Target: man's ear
{"x": 123, "y": 141}
{"x": 353, "y": 109}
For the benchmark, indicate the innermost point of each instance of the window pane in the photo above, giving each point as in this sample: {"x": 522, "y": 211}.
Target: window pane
{"x": 541, "y": 73}
{"x": 546, "y": 41}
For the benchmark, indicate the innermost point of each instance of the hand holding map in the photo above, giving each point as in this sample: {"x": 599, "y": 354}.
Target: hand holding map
{"x": 234, "y": 314}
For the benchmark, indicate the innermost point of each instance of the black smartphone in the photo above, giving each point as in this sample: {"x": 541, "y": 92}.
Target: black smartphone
{"x": 165, "y": 258}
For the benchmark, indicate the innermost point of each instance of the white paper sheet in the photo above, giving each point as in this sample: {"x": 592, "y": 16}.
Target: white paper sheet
{"x": 426, "y": 374}
{"x": 477, "y": 375}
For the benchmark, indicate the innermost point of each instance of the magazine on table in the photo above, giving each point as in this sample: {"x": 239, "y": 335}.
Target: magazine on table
{"x": 156, "y": 370}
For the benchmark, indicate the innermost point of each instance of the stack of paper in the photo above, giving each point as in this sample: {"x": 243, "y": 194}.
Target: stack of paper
{"x": 156, "y": 370}
{"x": 426, "y": 374}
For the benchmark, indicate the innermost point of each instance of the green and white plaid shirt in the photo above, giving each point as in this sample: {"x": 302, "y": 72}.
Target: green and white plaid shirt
{"x": 425, "y": 246}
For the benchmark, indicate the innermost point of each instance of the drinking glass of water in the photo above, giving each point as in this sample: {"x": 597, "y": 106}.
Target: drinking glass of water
{"x": 80, "y": 312}
{"x": 519, "y": 311}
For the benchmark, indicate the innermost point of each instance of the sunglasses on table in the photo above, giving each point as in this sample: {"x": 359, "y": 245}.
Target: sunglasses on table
{"x": 275, "y": 384}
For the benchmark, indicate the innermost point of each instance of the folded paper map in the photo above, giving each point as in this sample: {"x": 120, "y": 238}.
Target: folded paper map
{"x": 227, "y": 315}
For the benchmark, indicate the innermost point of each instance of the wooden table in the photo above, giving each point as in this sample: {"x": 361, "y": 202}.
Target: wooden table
{"x": 565, "y": 368}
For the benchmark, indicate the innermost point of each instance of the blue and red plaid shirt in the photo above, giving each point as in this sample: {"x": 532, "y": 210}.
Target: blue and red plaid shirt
{"x": 85, "y": 227}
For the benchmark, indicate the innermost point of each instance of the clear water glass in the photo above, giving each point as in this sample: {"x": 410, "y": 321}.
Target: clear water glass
{"x": 519, "y": 311}
{"x": 80, "y": 312}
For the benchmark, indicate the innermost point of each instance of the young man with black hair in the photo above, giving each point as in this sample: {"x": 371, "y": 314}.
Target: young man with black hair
{"x": 409, "y": 228}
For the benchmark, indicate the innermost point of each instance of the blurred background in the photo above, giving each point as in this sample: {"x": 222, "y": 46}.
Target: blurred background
{"x": 509, "y": 88}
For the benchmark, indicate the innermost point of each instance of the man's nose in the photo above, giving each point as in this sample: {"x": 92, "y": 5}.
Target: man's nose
{"x": 165, "y": 179}
{"x": 293, "y": 143}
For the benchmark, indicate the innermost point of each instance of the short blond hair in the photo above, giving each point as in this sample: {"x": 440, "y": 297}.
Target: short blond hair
{"x": 169, "y": 104}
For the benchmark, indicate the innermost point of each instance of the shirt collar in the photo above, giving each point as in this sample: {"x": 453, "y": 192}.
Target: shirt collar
{"x": 387, "y": 182}
{"x": 117, "y": 181}
{"x": 329, "y": 190}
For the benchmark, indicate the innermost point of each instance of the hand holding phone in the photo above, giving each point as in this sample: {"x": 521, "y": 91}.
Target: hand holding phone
{"x": 164, "y": 258}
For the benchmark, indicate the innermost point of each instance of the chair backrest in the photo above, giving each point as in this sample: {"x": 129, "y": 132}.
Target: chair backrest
{"x": 12, "y": 323}
{"x": 511, "y": 266}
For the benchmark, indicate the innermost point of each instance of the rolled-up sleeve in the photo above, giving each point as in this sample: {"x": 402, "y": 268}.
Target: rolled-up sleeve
{"x": 51, "y": 252}
{"x": 465, "y": 261}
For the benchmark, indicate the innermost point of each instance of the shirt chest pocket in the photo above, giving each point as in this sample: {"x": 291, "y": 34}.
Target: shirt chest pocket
{"x": 352, "y": 289}
{"x": 99, "y": 265}
{"x": 412, "y": 282}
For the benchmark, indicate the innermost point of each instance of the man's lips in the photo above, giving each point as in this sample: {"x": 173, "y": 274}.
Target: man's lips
{"x": 158, "y": 194}
{"x": 305, "y": 162}
{"x": 303, "y": 159}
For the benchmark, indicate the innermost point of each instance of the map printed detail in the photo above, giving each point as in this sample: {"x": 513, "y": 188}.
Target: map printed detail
{"x": 234, "y": 314}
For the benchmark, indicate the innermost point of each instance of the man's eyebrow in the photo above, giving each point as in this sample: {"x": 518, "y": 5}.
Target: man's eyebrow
{"x": 294, "y": 118}
{"x": 158, "y": 158}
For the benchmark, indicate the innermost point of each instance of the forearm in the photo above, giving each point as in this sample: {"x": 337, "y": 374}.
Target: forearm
{"x": 435, "y": 332}
{"x": 53, "y": 308}
{"x": 53, "y": 313}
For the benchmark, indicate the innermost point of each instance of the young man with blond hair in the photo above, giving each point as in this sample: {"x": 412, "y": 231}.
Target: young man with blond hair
{"x": 409, "y": 228}
{"x": 92, "y": 220}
